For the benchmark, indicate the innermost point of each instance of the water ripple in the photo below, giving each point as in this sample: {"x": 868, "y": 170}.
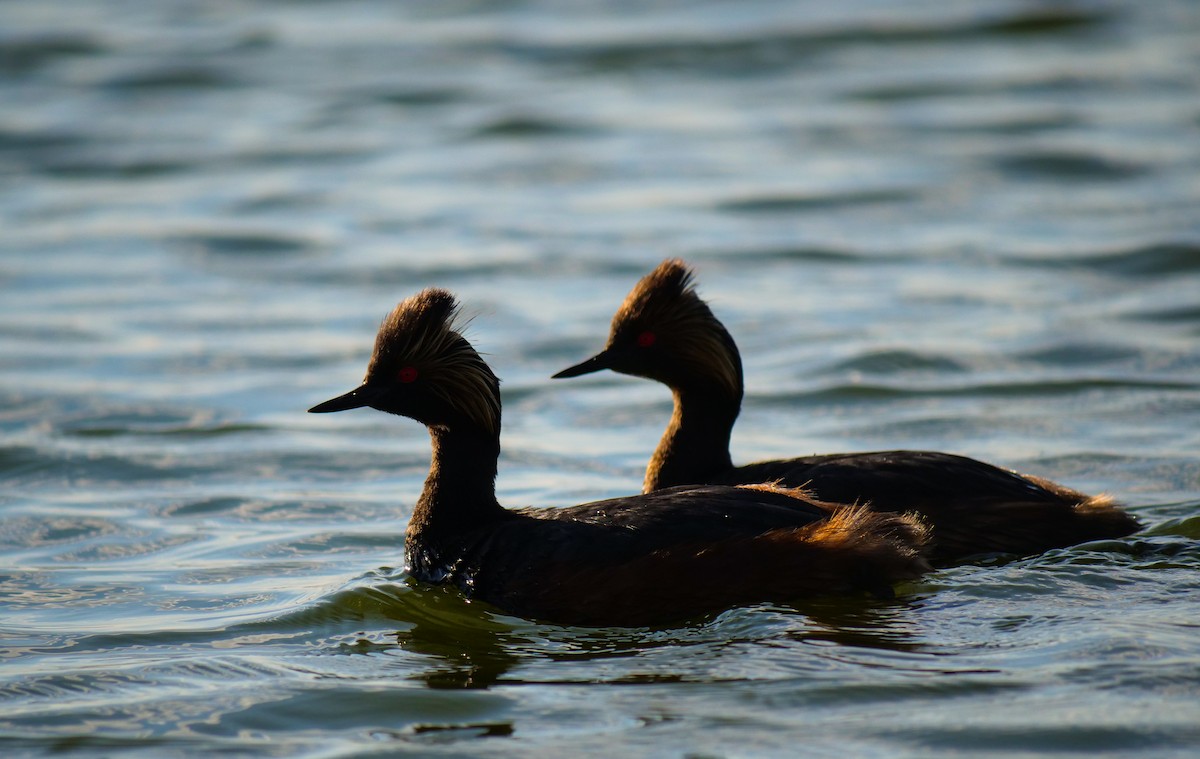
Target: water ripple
{"x": 1070, "y": 166}
{"x": 21, "y": 54}
{"x": 963, "y": 227}
{"x": 1154, "y": 259}
{"x": 785, "y": 203}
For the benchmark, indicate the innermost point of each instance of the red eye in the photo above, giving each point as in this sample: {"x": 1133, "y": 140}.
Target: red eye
{"x": 408, "y": 374}
{"x": 646, "y": 339}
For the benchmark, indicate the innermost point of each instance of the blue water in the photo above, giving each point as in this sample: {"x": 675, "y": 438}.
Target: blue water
{"x": 967, "y": 227}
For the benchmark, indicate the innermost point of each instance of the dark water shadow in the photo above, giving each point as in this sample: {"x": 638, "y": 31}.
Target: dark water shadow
{"x": 791, "y": 203}
{"x": 883, "y": 625}
{"x": 474, "y": 646}
{"x": 1068, "y": 166}
{"x": 21, "y": 54}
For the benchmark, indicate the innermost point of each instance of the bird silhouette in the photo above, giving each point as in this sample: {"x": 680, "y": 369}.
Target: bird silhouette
{"x": 643, "y": 559}
{"x": 665, "y": 332}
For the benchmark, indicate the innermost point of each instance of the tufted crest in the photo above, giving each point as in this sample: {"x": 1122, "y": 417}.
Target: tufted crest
{"x": 665, "y": 301}
{"x": 666, "y": 294}
{"x": 421, "y": 333}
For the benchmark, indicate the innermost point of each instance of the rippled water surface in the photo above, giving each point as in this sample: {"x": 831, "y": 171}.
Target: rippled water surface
{"x": 969, "y": 227}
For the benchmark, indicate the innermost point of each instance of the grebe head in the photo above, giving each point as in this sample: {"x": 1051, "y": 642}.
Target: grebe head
{"x": 665, "y": 332}
{"x": 424, "y": 369}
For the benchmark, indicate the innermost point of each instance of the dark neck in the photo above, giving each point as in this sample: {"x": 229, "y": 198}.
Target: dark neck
{"x": 695, "y": 447}
{"x": 460, "y": 491}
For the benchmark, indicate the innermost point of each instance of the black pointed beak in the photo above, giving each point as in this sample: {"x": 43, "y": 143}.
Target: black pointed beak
{"x": 356, "y": 398}
{"x": 600, "y": 361}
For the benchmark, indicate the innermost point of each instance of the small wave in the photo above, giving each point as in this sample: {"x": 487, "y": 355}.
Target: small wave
{"x": 787, "y": 46}
{"x": 284, "y": 199}
{"x": 24, "y": 460}
{"x": 814, "y": 255}
{"x": 73, "y": 685}
{"x": 265, "y": 243}
{"x": 86, "y": 165}
{"x": 1089, "y": 736}
{"x": 785, "y": 203}
{"x": 21, "y": 140}
{"x": 153, "y": 423}
{"x": 896, "y": 362}
{"x": 60, "y": 333}
{"x": 1034, "y": 20}
{"x": 1149, "y": 260}
{"x": 53, "y": 530}
{"x": 417, "y": 273}
{"x": 1010, "y": 124}
{"x": 1068, "y": 165}
{"x": 419, "y": 96}
{"x": 518, "y": 126}
{"x": 204, "y": 507}
{"x": 1168, "y": 548}
{"x": 876, "y": 390}
{"x": 729, "y": 55}
{"x": 395, "y": 599}
{"x": 1033, "y": 83}
{"x": 20, "y": 54}
{"x": 1176, "y": 314}
{"x": 178, "y": 77}
{"x": 1079, "y": 354}
{"x": 296, "y": 152}
{"x": 84, "y": 468}
{"x": 337, "y": 707}
{"x": 1184, "y": 527}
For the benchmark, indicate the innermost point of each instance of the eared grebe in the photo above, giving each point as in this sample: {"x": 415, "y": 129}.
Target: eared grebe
{"x": 665, "y": 332}
{"x": 644, "y": 559}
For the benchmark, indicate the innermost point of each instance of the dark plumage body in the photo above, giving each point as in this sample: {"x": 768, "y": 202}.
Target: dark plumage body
{"x": 665, "y": 332}
{"x": 667, "y": 556}
{"x": 644, "y": 559}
